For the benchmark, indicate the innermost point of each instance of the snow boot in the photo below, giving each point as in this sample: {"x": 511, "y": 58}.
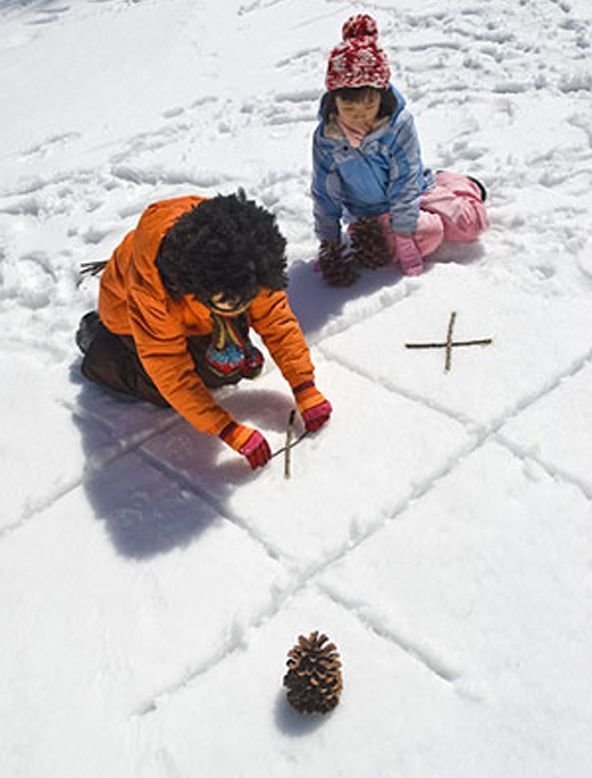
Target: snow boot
{"x": 482, "y": 189}
{"x": 87, "y": 331}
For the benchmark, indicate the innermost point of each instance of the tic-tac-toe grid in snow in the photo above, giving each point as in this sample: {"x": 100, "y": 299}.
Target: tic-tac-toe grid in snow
{"x": 377, "y": 450}
{"x": 487, "y": 580}
{"x": 535, "y": 342}
{"x": 410, "y": 706}
{"x": 143, "y": 586}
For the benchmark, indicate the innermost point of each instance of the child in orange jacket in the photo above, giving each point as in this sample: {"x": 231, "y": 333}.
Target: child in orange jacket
{"x": 176, "y": 302}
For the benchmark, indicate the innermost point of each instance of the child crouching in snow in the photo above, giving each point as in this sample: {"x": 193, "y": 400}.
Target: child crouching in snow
{"x": 176, "y": 302}
{"x": 367, "y": 169}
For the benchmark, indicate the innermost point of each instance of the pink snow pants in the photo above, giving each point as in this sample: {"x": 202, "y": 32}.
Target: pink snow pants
{"x": 451, "y": 210}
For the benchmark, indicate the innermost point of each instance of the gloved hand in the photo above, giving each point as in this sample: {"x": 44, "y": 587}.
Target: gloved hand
{"x": 256, "y": 450}
{"x": 402, "y": 247}
{"x": 314, "y": 408}
{"x": 407, "y": 254}
{"x": 315, "y": 417}
{"x": 248, "y": 442}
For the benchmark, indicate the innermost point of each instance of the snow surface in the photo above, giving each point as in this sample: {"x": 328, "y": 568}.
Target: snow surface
{"x": 439, "y": 529}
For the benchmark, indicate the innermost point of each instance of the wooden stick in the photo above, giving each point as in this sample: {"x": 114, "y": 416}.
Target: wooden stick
{"x": 449, "y": 341}
{"x": 291, "y": 418}
{"x": 92, "y": 268}
{"x": 478, "y": 342}
{"x": 292, "y": 445}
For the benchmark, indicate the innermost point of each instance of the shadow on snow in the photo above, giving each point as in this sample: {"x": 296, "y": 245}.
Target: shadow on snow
{"x": 154, "y": 481}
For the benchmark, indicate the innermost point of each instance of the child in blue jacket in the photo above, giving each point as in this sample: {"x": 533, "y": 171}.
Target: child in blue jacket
{"x": 368, "y": 171}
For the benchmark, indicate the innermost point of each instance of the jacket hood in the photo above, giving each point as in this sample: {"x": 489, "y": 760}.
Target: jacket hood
{"x": 154, "y": 224}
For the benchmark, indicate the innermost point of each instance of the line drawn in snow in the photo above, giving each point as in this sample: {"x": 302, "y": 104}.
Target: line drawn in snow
{"x": 239, "y": 635}
{"x": 532, "y": 458}
{"x": 157, "y": 175}
{"x": 303, "y": 54}
{"x": 304, "y": 96}
{"x": 257, "y": 5}
{"x": 172, "y": 113}
{"x": 420, "y": 653}
{"x": 49, "y": 18}
{"x": 431, "y": 45}
{"x": 203, "y": 101}
{"x": 48, "y": 144}
{"x": 279, "y": 120}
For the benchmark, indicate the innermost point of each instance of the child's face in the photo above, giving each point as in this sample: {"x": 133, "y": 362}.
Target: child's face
{"x": 359, "y": 115}
{"x": 232, "y": 307}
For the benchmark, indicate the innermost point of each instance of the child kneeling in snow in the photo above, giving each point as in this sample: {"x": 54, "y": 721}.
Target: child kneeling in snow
{"x": 367, "y": 168}
{"x": 176, "y": 302}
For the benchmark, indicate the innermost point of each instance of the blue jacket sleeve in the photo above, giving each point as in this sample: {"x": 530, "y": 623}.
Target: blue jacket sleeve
{"x": 326, "y": 195}
{"x": 406, "y": 175}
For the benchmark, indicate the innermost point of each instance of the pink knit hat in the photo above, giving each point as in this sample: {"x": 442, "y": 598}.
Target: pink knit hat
{"x": 358, "y": 61}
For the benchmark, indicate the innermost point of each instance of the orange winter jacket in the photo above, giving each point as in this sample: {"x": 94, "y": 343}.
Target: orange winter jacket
{"x": 133, "y": 301}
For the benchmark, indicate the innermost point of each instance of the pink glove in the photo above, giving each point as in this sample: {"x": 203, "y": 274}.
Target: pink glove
{"x": 256, "y": 450}
{"x": 407, "y": 254}
{"x": 315, "y": 417}
{"x": 248, "y": 442}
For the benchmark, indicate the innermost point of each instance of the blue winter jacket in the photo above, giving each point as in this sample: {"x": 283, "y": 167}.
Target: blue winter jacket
{"x": 384, "y": 174}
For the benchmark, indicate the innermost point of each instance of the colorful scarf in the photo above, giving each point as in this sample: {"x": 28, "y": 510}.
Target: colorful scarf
{"x": 231, "y": 352}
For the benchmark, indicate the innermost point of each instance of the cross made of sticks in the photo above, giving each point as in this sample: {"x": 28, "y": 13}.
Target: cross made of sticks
{"x": 450, "y": 343}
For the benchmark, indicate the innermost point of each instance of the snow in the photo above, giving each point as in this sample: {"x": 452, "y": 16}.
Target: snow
{"x": 529, "y": 352}
{"x": 555, "y": 429}
{"x": 439, "y": 530}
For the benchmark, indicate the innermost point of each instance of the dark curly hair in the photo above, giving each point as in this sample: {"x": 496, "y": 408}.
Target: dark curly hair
{"x": 227, "y": 245}
{"x": 357, "y": 94}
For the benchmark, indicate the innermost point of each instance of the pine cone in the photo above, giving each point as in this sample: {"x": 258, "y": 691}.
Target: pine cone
{"x": 336, "y": 265}
{"x": 368, "y": 243}
{"x": 313, "y": 679}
